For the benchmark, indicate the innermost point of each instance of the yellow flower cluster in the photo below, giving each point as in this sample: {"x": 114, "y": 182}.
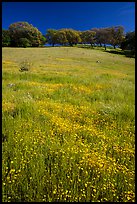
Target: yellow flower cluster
{"x": 7, "y": 106}
{"x": 68, "y": 143}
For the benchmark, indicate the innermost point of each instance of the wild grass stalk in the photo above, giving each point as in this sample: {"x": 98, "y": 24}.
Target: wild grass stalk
{"x": 68, "y": 126}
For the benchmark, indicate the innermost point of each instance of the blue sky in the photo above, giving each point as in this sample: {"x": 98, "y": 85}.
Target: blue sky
{"x": 76, "y": 15}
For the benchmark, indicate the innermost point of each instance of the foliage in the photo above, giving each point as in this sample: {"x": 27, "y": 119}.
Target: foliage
{"x": 88, "y": 37}
{"x": 129, "y": 42}
{"x": 52, "y": 37}
{"x": 72, "y": 36}
{"x": 98, "y": 39}
{"x": 5, "y": 38}
{"x": 23, "y": 42}
{"x": 43, "y": 40}
{"x": 23, "y": 34}
{"x": 117, "y": 35}
{"x": 110, "y": 35}
{"x": 105, "y": 36}
{"x": 61, "y": 36}
{"x": 25, "y": 30}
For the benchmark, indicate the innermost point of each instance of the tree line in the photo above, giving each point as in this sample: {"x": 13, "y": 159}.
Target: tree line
{"x": 23, "y": 34}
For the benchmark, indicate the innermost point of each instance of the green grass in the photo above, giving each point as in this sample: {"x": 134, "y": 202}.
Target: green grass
{"x": 68, "y": 126}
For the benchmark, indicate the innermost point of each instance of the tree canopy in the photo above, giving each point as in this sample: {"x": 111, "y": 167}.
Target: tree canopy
{"x": 72, "y": 36}
{"x": 88, "y": 36}
{"x": 51, "y": 36}
{"x": 129, "y": 41}
{"x": 63, "y": 36}
{"x": 6, "y": 40}
{"x": 23, "y": 34}
{"x": 117, "y": 35}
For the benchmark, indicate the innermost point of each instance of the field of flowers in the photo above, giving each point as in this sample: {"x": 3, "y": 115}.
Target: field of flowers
{"x": 68, "y": 126}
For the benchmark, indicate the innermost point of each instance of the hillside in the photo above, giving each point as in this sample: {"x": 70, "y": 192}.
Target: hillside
{"x": 68, "y": 125}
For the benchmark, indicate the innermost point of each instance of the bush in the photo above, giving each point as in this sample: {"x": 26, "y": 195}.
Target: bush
{"x": 25, "y": 65}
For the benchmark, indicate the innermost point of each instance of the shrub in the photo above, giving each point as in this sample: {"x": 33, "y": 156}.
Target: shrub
{"x": 25, "y": 65}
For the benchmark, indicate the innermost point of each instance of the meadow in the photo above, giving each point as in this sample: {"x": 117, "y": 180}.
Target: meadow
{"x": 68, "y": 126}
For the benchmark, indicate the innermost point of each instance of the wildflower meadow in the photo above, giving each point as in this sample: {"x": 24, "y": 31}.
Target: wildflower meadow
{"x": 68, "y": 125}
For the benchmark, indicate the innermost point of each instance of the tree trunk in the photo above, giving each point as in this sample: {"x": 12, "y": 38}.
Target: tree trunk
{"x": 114, "y": 46}
{"x": 91, "y": 45}
{"x": 71, "y": 44}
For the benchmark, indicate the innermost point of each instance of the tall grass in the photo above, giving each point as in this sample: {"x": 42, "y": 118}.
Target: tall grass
{"x": 68, "y": 126}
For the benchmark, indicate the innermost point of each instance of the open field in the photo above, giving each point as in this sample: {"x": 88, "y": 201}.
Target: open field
{"x": 68, "y": 126}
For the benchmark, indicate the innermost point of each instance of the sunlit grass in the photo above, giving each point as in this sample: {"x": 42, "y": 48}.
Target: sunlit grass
{"x": 68, "y": 126}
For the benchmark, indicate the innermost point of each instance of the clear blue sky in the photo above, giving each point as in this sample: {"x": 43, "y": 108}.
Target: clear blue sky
{"x": 76, "y": 15}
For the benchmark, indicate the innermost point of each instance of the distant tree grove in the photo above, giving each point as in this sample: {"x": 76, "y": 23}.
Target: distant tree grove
{"x": 23, "y": 34}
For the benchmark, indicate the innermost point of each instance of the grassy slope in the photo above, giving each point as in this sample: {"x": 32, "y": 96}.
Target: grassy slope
{"x": 68, "y": 125}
